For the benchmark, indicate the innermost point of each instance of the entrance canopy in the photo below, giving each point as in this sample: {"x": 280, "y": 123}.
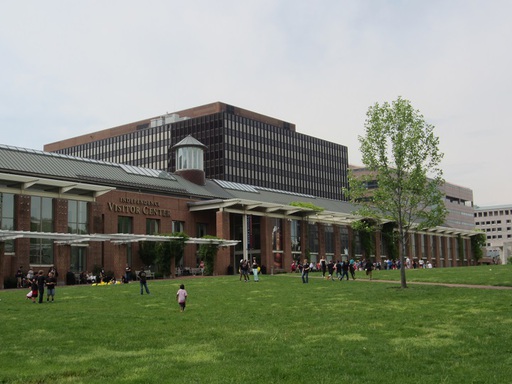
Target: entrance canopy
{"x": 286, "y": 211}
{"x": 117, "y": 238}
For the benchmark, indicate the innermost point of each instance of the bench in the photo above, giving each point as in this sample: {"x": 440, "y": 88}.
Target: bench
{"x": 196, "y": 271}
{"x": 189, "y": 271}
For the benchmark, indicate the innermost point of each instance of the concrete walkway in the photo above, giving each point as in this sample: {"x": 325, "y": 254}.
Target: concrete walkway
{"x": 498, "y": 287}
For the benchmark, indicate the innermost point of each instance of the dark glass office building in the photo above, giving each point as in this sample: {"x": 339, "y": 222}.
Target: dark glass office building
{"x": 242, "y": 146}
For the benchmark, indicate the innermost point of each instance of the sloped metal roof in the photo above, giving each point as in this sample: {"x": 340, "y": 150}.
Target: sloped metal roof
{"x": 44, "y": 164}
{"x": 25, "y": 169}
{"x": 189, "y": 141}
{"x": 242, "y": 198}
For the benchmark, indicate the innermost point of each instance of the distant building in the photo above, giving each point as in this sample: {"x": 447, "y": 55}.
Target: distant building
{"x": 496, "y": 223}
{"x": 240, "y": 146}
{"x": 457, "y": 200}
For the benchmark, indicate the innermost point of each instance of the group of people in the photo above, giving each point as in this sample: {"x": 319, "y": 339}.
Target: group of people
{"x": 38, "y": 282}
{"x": 333, "y": 270}
{"x": 245, "y": 266}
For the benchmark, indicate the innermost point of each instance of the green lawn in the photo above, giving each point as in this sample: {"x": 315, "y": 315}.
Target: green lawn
{"x": 275, "y": 331}
{"x": 497, "y": 275}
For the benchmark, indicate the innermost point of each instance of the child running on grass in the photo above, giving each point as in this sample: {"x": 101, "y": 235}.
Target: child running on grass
{"x": 181, "y": 296}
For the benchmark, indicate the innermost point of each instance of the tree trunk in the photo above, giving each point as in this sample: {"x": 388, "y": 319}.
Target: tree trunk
{"x": 403, "y": 282}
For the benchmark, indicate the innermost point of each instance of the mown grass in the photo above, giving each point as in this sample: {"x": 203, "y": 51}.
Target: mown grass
{"x": 275, "y": 331}
{"x": 494, "y": 275}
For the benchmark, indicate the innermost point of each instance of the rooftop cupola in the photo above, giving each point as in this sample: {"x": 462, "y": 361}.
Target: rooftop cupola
{"x": 190, "y": 160}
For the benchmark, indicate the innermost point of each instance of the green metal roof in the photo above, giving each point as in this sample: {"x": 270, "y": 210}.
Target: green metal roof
{"x": 45, "y": 164}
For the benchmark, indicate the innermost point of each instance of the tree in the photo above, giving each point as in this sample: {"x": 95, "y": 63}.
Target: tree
{"x": 208, "y": 253}
{"x": 169, "y": 250}
{"x": 477, "y": 244}
{"x": 401, "y": 155}
{"x": 366, "y": 230}
{"x": 147, "y": 252}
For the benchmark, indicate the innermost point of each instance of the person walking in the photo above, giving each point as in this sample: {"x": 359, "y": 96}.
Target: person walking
{"x": 323, "y": 266}
{"x": 51, "y": 282}
{"x": 143, "y": 281}
{"x": 369, "y": 268}
{"x": 352, "y": 269}
{"x": 330, "y": 269}
{"x": 344, "y": 269}
{"x": 181, "y": 297}
{"x": 338, "y": 269}
{"x": 305, "y": 272}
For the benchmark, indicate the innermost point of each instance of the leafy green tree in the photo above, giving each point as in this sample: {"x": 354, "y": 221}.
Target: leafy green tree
{"x": 303, "y": 204}
{"x": 401, "y": 154}
{"x": 171, "y": 250}
{"x": 477, "y": 244}
{"x": 148, "y": 252}
{"x": 208, "y": 253}
{"x": 366, "y": 229}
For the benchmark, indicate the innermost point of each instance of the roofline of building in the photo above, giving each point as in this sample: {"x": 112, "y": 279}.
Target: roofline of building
{"x": 191, "y": 113}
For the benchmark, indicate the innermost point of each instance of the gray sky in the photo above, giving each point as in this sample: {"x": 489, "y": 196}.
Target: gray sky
{"x": 73, "y": 67}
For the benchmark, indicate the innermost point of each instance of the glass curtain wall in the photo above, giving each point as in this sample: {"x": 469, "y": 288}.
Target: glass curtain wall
{"x": 125, "y": 225}
{"x": 41, "y": 220}
{"x": 78, "y": 223}
{"x": 277, "y": 243}
{"x": 7, "y": 218}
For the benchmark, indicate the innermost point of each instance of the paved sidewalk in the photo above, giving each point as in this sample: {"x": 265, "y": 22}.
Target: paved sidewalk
{"x": 499, "y": 287}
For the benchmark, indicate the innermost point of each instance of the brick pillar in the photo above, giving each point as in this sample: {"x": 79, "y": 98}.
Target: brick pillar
{"x": 444, "y": 247}
{"x": 223, "y": 259}
{"x": 303, "y": 239}
{"x": 321, "y": 241}
{"x": 96, "y": 224}
{"x": 428, "y": 240}
{"x": 437, "y": 251}
{"x": 117, "y": 260}
{"x": 455, "y": 252}
{"x": 267, "y": 256}
{"x": 286, "y": 242}
{"x": 378, "y": 242}
{"x": 22, "y": 223}
{"x": 467, "y": 253}
{"x": 337, "y": 242}
{"x": 2, "y": 264}
{"x": 61, "y": 253}
{"x": 351, "y": 250}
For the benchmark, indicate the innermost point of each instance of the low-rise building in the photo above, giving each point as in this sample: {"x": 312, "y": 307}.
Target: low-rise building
{"x": 76, "y": 214}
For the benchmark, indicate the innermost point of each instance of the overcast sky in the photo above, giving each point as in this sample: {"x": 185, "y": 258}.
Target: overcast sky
{"x": 73, "y": 67}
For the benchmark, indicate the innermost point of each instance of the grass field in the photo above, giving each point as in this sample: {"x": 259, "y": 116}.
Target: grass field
{"x": 275, "y": 331}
